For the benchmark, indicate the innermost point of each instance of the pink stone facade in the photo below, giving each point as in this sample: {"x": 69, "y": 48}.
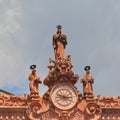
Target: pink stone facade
{"x": 62, "y": 100}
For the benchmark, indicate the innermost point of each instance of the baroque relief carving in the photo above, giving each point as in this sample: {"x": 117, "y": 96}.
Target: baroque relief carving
{"x": 60, "y": 71}
{"x": 62, "y": 101}
{"x": 37, "y": 107}
{"x": 13, "y": 101}
{"x": 92, "y": 108}
{"x": 52, "y": 114}
{"x": 109, "y": 101}
{"x": 33, "y": 110}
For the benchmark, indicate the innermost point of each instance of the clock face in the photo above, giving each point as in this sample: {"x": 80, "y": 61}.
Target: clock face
{"x": 64, "y": 96}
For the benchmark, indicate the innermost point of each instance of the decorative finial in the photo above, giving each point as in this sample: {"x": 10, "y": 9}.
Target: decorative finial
{"x": 59, "y": 27}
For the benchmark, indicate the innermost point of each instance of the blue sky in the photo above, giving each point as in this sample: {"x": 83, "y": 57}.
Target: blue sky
{"x": 93, "y": 31}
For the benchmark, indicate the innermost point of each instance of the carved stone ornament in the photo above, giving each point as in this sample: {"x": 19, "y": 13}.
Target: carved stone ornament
{"x": 13, "y": 100}
{"x": 64, "y": 96}
{"x": 34, "y": 110}
{"x": 109, "y": 101}
{"x": 92, "y": 109}
{"x": 60, "y": 71}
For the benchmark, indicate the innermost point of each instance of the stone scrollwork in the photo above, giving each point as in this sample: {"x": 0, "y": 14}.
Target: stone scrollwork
{"x": 2, "y": 101}
{"x": 92, "y": 109}
{"x": 109, "y": 101}
{"x": 33, "y": 111}
{"x": 13, "y": 101}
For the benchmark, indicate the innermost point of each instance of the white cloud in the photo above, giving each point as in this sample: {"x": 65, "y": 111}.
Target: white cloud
{"x": 10, "y": 24}
{"x": 10, "y": 17}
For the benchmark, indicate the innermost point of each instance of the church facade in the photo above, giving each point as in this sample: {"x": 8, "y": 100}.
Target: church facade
{"x": 62, "y": 100}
